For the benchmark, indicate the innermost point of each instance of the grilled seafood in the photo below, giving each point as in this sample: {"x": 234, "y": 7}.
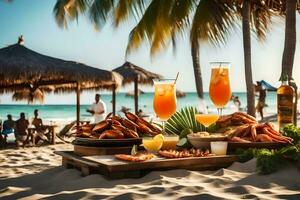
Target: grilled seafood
{"x": 131, "y": 116}
{"x": 139, "y": 157}
{"x": 236, "y": 119}
{"x": 249, "y": 130}
{"x": 183, "y": 154}
{"x": 111, "y": 134}
{"x": 112, "y": 126}
{"x": 101, "y": 126}
{"x": 130, "y": 124}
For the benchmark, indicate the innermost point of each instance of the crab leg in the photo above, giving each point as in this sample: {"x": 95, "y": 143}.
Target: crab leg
{"x": 253, "y": 132}
{"x": 276, "y": 137}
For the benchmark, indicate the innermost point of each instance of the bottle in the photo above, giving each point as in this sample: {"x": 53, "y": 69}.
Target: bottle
{"x": 285, "y": 103}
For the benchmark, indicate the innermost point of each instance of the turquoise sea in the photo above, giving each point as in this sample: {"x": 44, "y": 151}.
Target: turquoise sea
{"x": 68, "y": 112}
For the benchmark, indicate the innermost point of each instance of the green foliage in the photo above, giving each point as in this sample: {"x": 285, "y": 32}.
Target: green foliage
{"x": 183, "y": 119}
{"x": 269, "y": 161}
{"x": 292, "y": 132}
{"x": 245, "y": 155}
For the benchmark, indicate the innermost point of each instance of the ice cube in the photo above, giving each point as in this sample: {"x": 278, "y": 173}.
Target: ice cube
{"x": 161, "y": 91}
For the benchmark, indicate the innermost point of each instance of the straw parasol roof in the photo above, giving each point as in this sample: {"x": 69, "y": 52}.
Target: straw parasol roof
{"x": 130, "y": 72}
{"x": 29, "y": 96}
{"x": 29, "y": 74}
{"x": 21, "y": 68}
{"x": 137, "y": 75}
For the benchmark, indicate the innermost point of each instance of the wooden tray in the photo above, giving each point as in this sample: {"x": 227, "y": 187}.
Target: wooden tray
{"x": 258, "y": 145}
{"x": 107, "y": 142}
{"x": 112, "y": 168}
{"x": 91, "y": 151}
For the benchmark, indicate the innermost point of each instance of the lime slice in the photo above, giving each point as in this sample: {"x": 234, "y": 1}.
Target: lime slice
{"x": 185, "y": 132}
{"x": 184, "y": 143}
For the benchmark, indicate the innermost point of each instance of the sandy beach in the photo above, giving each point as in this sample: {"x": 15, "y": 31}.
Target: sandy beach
{"x": 35, "y": 173}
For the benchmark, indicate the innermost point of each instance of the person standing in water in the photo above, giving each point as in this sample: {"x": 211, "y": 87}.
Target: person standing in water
{"x": 261, "y": 99}
{"x": 98, "y": 109}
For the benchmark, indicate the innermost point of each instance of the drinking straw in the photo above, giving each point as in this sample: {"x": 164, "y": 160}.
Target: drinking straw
{"x": 176, "y": 78}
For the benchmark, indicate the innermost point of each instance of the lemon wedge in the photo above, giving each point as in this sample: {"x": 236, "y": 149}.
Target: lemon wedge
{"x": 153, "y": 144}
{"x": 159, "y": 138}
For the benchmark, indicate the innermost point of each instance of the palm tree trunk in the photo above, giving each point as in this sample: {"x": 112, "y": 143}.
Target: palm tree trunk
{"x": 290, "y": 38}
{"x": 290, "y": 47}
{"x": 197, "y": 70}
{"x": 247, "y": 57}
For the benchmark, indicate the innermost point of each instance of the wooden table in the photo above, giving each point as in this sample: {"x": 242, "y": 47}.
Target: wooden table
{"x": 49, "y": 129}
{"x": 108, "y": 166}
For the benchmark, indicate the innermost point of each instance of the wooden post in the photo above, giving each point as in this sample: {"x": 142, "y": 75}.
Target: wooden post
{"x": 77, "y": 104}
{"x": 114, "y": 100}
{"x": 136, "y": 95}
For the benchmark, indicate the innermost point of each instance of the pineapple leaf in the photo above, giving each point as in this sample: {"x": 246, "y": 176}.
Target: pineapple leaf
{"x": 183, "y": 119}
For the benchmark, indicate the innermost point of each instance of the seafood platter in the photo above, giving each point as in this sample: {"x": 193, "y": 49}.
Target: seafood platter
{"x": 133, "y": 144}
{"x": 115, "y": 134}
{"x": 243, "y": 131}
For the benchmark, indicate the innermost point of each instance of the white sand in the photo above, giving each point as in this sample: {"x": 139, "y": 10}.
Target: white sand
{"x": 34, "y": 173}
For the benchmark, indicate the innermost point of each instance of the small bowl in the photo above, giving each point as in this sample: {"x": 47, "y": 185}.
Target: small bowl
{"x": 219, "y": 147}
{"x": 204, "y": 142}
{"x": 170, "y": 142}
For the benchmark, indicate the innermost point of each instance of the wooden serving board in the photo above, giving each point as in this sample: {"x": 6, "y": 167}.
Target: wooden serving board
{"x": 91, "y": 151}
{"x": 111, "y": 164}
{"x": 258, "y": 145}
{"x": 110, "y": 167}
{"x": 107, "y": 142}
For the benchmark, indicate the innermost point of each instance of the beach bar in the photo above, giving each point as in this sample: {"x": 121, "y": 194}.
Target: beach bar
{"x": 22, "y": 68}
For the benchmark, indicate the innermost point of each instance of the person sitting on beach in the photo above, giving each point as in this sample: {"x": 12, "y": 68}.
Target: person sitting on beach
{"x": 39, "y": 127}
{"x": 261, "y": 99}
{"x": 8, "y": 126}
{"x": 98, "y": 109}
{"x": 21, "y": 129}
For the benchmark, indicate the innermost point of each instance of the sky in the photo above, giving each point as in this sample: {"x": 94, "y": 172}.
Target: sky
{"x": 105, "y": 49}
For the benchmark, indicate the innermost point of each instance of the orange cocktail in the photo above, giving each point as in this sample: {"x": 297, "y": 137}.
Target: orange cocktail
{"x": 219, "y": 88}
{"x": 164, "y": 102}
{"x": 207, "y": 119}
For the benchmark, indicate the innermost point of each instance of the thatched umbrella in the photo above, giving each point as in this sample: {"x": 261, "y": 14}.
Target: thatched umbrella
{"x": 22, "y": 68}
{"x": 30, "y": 95}
{"x": 137, "y": 75}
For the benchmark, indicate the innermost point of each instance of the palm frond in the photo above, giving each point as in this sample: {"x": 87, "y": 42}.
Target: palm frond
{"x": 69, "y": 10}
{"x": 99, "y": 12}
{"x": 128, "y": 8}
{"x": 212, "y": 22}
{"x": 183, "y": 119}
{"x": 260, "y": 20}
{"x": 161, "y": 23}
{"x": 145, "y": 29}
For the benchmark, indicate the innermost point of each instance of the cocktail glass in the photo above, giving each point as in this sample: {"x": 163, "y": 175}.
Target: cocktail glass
{"x": 219, "y": 88}
{"x": 207, "y": 119}
{"x": 164, "y": 102}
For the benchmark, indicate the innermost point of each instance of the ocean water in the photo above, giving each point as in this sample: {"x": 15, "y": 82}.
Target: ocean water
{"x": 68, "y": 112}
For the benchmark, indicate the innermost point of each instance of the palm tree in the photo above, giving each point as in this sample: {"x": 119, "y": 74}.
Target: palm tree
{"x": 290, "y": 46}
{"x": 246, "y": 11}
{"x": 256, "y": 16}
{"x": 163, "y": 20}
